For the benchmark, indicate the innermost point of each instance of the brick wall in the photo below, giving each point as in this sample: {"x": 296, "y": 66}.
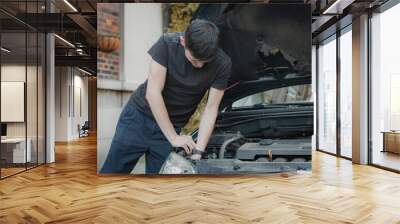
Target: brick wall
{"x": 108, "y": 23}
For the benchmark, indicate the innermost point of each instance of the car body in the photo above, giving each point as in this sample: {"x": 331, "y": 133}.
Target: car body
{"x": 265, "y": 121}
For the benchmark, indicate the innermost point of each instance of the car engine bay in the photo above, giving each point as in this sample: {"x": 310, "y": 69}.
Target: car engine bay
{"x": 270, "y": 145}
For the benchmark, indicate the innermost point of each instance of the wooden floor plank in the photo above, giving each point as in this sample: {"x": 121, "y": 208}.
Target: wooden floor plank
{"x": 70, "y": 191}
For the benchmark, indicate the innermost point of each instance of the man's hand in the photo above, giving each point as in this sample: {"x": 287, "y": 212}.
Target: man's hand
{"x": 208, "y": 118}
{"x": 184, "y": 141}
{"x": 196, "y": 157}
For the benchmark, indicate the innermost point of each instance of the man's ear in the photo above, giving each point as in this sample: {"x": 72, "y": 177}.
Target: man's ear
{"x": 182, "y": 39}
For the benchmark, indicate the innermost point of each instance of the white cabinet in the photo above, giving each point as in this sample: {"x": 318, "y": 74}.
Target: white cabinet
{"x": 18, "y": 149}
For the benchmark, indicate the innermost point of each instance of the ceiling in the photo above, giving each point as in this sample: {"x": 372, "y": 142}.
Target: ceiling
{"x": 74, "y": 21}
{"x": 331, "y": 15}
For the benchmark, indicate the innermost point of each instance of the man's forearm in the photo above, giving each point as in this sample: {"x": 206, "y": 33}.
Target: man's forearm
{"x": 206, "y": 127}
{"x": 159, "y": 110}
{"x": 155, "y": 85}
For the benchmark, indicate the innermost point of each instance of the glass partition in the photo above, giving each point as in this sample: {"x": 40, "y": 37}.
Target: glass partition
{"x": 13, "y": 105}
{"x": 22, "y": 78}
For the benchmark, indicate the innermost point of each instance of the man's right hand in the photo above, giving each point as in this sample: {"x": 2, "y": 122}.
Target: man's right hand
{"x": 184, "y": 141}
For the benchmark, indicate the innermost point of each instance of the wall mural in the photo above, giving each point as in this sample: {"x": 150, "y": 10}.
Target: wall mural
{"x": 228, "y": 91}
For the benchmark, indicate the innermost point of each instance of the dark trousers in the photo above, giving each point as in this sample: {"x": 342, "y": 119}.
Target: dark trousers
{"x": 136, "y": 134}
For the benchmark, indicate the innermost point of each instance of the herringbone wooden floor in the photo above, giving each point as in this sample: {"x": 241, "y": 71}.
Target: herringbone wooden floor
{"x": 70, "y": 191}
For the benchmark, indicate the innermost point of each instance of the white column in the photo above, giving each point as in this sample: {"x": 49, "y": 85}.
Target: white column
{"x": 50, "y": 99}
{"x": 314, "y": 92}
{"x": 360, "y": 90}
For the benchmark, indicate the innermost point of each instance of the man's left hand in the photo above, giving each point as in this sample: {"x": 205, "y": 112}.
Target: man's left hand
{"x": 195, "y": 157}
{"x": 196, "y": 154}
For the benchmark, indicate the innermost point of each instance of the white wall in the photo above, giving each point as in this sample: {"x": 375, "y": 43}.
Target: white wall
{"x": 80, "y": 84}
{"x": 68, "y": 82}
{"x": 138, "y": 36}
{"x": 15, "y": 72}
{"x": 61, "y": 103}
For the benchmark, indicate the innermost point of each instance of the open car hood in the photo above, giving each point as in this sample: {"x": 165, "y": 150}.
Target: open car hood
{"x": 246, "y": 88}
{"x": 264, "y": 55}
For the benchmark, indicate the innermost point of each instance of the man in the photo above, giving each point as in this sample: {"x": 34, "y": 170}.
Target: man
{"x": 183, "y": 67}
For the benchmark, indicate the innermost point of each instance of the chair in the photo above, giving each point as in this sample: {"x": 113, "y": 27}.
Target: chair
{"x": 84, "y": 130}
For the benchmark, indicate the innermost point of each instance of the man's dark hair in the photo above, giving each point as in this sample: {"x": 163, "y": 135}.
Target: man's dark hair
{"x": 201, "y": 38}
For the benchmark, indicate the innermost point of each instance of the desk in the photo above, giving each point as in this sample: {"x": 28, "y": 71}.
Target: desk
{"x": 391, "y": 141}
{"x": 13, "y": 150}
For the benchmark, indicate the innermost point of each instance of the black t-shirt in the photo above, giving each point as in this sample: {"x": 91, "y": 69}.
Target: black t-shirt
{"x": 185, "y": 85}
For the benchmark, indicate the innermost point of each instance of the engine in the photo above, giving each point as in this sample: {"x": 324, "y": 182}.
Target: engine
{"x": 236, "y": 146}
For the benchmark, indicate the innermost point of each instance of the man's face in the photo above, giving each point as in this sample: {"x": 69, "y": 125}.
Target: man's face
{"x": 194, "y": 61}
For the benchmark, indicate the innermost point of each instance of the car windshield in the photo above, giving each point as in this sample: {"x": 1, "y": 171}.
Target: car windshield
{"x": 291, "y": 94}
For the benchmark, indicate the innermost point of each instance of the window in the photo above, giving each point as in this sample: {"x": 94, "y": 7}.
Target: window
{"x": 346, "y": 94}
{"x": 291, "y": 94}
{"x": 385, "y": 87}
{"x": 327, "y": 96}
